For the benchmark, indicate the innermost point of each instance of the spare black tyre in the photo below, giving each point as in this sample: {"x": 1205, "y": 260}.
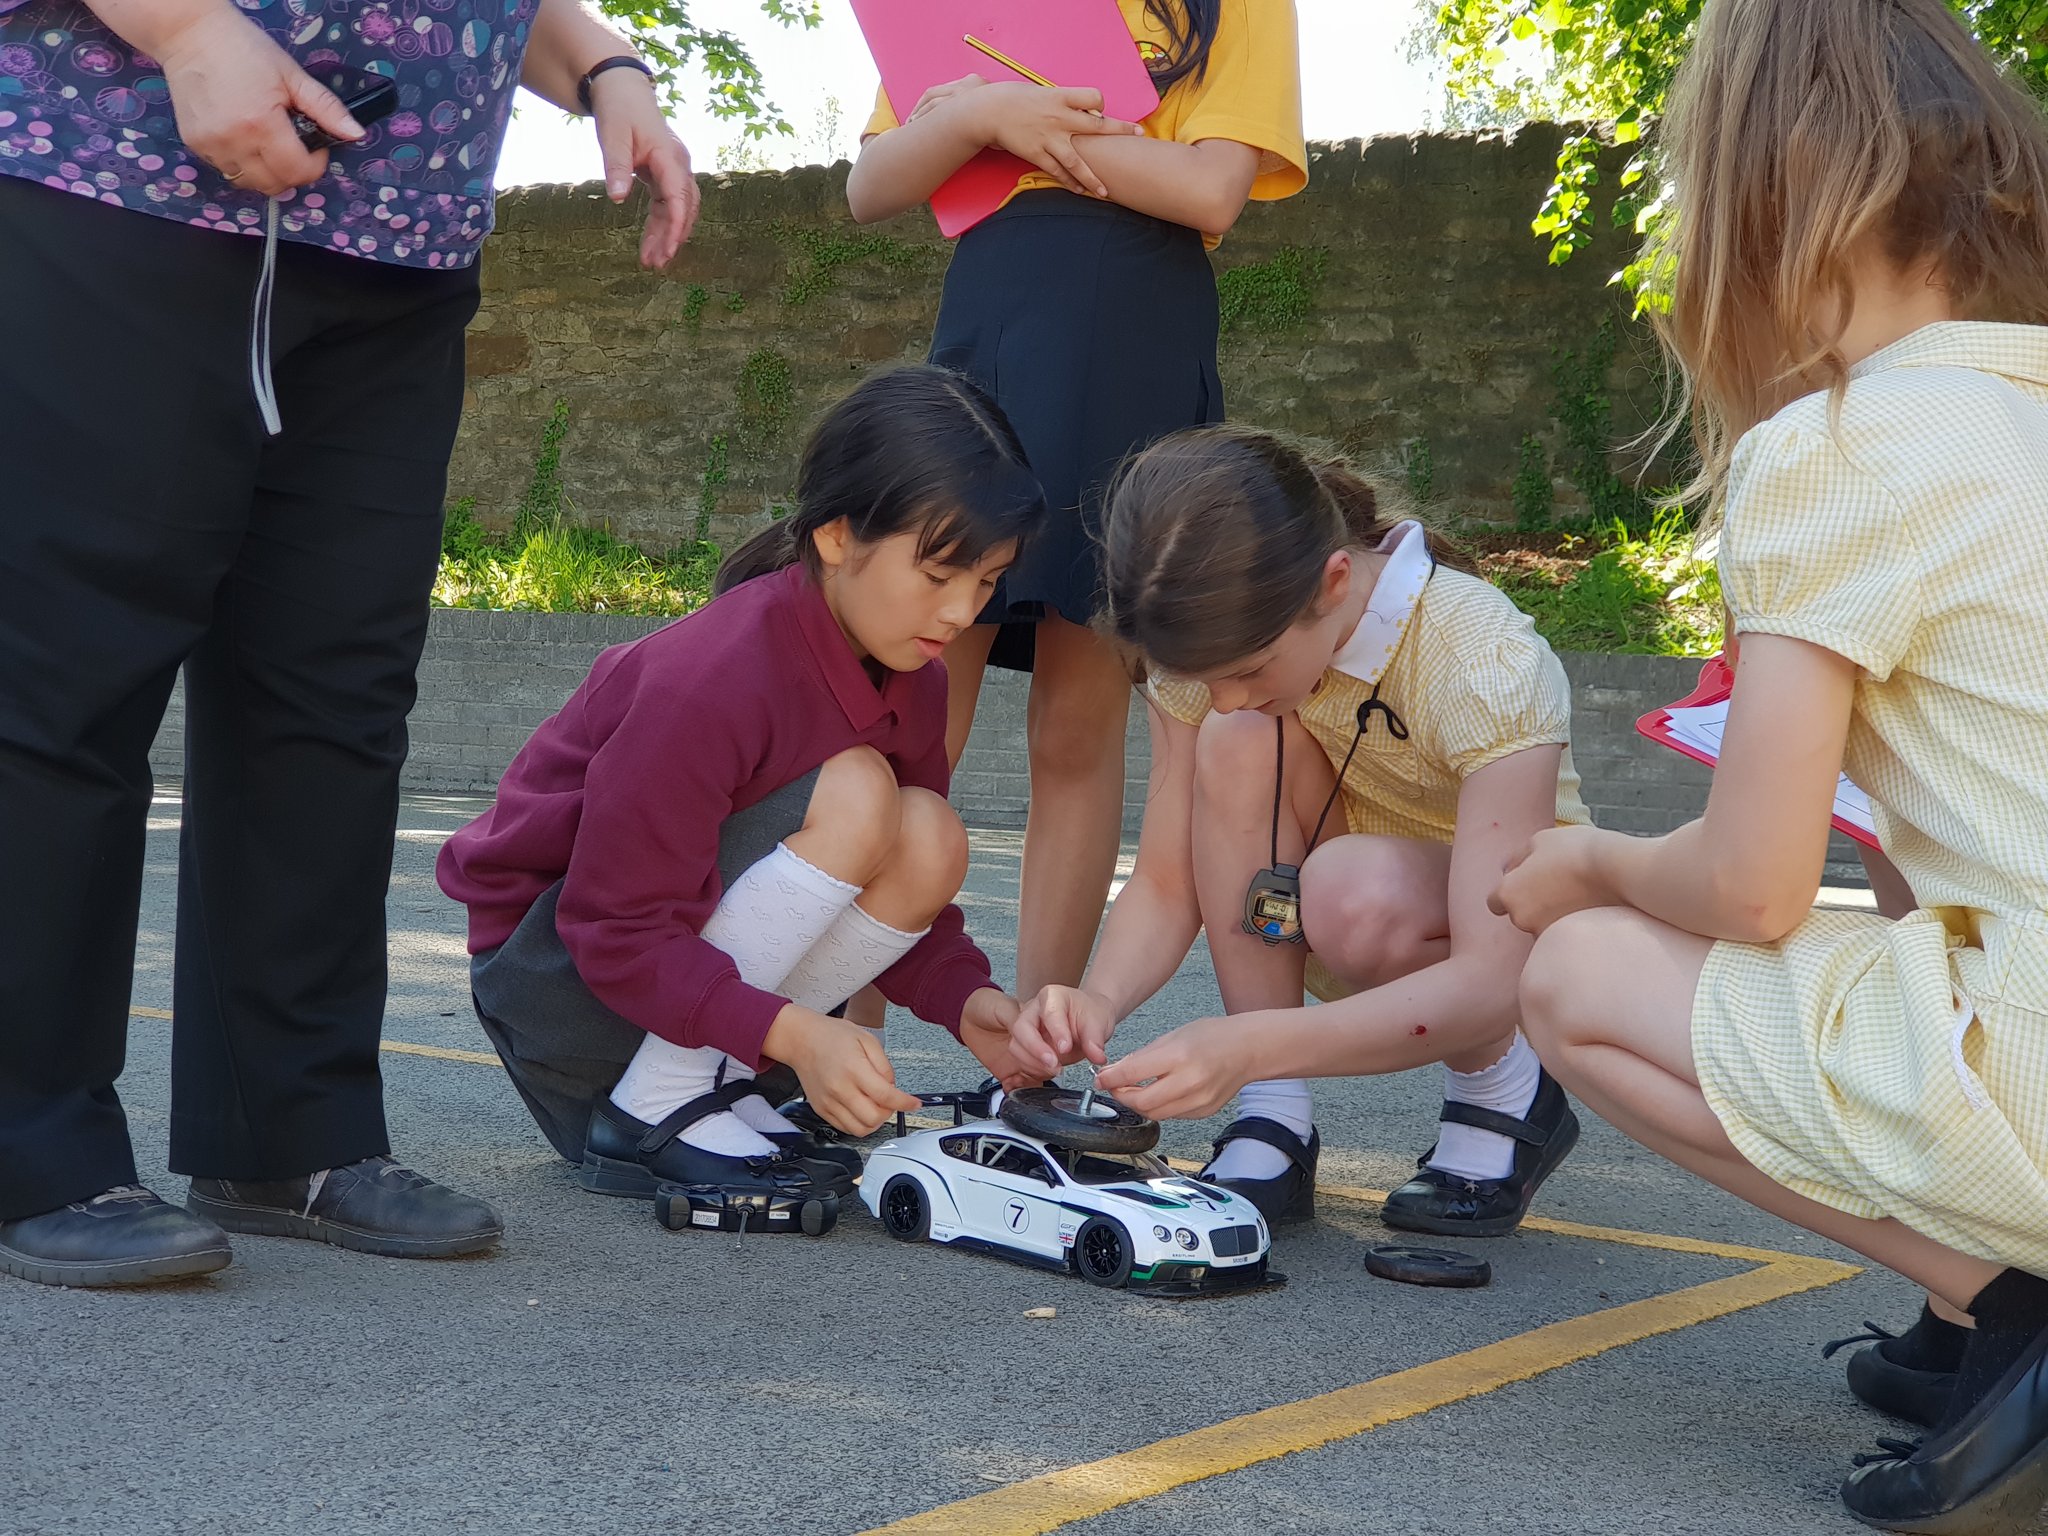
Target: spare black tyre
{"x": 1053, "y": 1114}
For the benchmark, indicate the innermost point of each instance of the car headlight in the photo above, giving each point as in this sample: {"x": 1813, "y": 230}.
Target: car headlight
{"x": 1187, "y": 1238}
{"x": 1162, "y": 1234}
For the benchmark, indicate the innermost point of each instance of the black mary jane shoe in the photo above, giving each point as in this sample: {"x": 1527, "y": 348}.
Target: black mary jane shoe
{"x": 1903, "y": 1391}
{"x": 1984, "y": 1475}
{"x": 627, "y": 1157}
{"x": 1450, "y": 1205}
{"x": 1289, "y": 1196}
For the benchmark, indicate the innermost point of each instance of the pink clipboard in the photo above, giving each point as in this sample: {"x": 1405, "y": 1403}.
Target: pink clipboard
{"x": 1717, "y": 682}
{"x": 918, "y": 44}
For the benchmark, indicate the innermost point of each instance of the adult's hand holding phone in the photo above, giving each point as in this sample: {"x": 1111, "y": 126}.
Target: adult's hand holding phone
{"x": 234, "y": 91}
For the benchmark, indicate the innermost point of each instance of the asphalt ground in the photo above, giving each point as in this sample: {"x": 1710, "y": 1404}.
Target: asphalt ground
{"x": 602, "y": 1374}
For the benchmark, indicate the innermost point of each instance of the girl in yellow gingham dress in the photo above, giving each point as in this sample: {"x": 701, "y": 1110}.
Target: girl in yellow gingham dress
{"x": 1307, "y": 654}
{"x": 1884, "y": 1083}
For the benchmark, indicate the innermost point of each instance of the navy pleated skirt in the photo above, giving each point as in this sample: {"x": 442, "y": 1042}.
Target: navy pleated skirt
{"x": 1095, "y": 329}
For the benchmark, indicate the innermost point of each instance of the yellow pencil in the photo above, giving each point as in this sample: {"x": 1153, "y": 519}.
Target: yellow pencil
{"x": 1006, "y": 61}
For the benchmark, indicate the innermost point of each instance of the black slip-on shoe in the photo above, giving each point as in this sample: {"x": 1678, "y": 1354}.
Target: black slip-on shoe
{"x": 836, "y": 1165}
{"x": 1984, "y": 1475}
{"x": 1915, "y": 1394}
{"x": 1451, "y": 1205}
{"x": 1289, "y": 1196}
{"x": 124, "y": 1236}
{"x": 374, "y": 1206}
{"x": 627, "y": 1157}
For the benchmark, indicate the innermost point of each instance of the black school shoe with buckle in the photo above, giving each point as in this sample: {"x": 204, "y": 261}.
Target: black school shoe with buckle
{"x": 1986, "y": 1474}
{"x": 123, "y": 1236}
{"x": 627, "y": 1157}
{"x": 1289, "y": 1196}
{"x": 375, "y": 1206}
{"x": 1450, "y": 1205}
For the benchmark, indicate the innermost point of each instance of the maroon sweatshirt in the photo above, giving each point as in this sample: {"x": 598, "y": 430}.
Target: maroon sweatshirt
{"x": 621, "y": 796}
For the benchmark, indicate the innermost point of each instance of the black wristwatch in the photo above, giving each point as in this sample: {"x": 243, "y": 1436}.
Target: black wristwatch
{"x": 622, "y": 61}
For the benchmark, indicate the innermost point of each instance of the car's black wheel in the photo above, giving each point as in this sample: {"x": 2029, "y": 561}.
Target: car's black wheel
{"x": 1102, "y": 1252}
{"x": 905, "y": 1212}
{"x": 1053, "y": 1114}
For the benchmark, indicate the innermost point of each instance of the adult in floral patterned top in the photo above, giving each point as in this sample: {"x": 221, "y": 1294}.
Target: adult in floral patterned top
{"x": 229, "y": 454}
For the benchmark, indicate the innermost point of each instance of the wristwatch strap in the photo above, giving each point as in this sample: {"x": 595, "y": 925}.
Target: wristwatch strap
{"x": 621, "y": 61}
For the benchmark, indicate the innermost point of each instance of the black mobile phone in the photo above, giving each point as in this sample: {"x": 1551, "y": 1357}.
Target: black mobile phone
{"x": 367, "y": 97}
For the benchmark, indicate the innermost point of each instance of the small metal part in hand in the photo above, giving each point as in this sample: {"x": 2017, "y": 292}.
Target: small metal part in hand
{"x": 1088, "y": 1093}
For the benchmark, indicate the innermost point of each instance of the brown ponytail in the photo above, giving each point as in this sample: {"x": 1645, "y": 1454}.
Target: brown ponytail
{"x": 770, "y": 550}
{"x": 1215, "y": 540}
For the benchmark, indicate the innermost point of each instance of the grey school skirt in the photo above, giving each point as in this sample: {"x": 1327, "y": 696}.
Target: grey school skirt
{"x": 564, "y": 1049}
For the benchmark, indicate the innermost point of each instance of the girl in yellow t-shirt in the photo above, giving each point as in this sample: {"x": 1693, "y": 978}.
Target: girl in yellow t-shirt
{"x": 1859, "y": 299}
{"x": 1087, "y": 306}
{"x": 1349, "y": 736}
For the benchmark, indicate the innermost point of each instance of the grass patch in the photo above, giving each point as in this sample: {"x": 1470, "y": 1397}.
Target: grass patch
{"x": 1640, "y": 592}
{"x": 554, "y": 567}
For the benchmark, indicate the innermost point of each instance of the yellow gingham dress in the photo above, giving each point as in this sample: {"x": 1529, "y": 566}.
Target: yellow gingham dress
{"x": 1901, "y": 1069}
{"x": 1466, "y": 672}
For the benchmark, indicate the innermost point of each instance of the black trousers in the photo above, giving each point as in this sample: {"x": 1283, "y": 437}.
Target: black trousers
{"x": 146, "y": 523}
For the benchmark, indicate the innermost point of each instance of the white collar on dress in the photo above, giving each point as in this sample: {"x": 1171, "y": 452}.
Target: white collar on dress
{"x": 1392, "y": 605}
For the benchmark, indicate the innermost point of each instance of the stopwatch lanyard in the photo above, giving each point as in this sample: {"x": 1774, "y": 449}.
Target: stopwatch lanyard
{"x": 1396, "y": 728}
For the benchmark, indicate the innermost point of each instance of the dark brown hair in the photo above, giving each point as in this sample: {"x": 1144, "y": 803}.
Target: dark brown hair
{"x": 1802, "y": 133}
{"x": 916, "y": 448}
{"x": 1215, "y": 540}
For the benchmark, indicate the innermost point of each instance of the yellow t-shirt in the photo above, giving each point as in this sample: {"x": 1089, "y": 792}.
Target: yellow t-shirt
{"x": 1250, "y": 93}
{"x": 1472, "y": 681}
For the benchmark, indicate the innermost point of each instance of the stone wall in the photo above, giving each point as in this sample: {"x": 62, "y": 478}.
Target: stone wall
{"x": 1400, "y": 307}
{"x": 489, "y": 678}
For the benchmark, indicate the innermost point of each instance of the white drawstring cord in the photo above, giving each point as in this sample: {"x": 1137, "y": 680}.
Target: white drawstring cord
{"x": 259, "y": 329}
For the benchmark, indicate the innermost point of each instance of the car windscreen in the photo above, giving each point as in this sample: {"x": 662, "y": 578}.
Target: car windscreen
{"x": 1111, "y": 1167}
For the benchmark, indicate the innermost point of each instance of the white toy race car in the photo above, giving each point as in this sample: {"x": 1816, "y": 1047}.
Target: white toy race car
{"x": 1111, "y": 1212}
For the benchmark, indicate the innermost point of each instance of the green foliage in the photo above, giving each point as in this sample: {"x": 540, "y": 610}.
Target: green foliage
{"x": 566, "y": 569}
{"x": 1270, "y": 295}
{"x": 1534, "y": 497}
{"x": 1418, "y": 470}
{"x": 544, "y": 502}
{"x": 666, "y": 35}
{"x": 1611, "y": 62}
{"x": 1585, "y": 415}
{"x": 819, "y": 254}
{"x": 695, "y": 297}
{"x": 765, "y": 395}
{"x": 1637, "y": 593}
{"x": 462, "y": 533}
{"x": 736, "y": 304}
{"x": 710, "y": 484}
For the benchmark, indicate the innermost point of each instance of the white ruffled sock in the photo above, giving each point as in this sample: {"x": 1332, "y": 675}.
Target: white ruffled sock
{"x": 1285, "y": 1100}
{"x": 775, "y": 911}
{"x": 1508, "y": 1087}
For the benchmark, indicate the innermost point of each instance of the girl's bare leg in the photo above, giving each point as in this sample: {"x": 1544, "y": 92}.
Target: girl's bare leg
{"x": 1080, "y": 704}
{"x": 1607, "y": 1000}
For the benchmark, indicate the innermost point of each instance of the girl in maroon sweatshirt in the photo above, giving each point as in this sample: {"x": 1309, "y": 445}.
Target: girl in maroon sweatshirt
{"x": 739, "y": 821}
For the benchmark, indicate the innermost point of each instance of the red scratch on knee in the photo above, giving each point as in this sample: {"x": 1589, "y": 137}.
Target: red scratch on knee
{"x": 1420, "y": 1029}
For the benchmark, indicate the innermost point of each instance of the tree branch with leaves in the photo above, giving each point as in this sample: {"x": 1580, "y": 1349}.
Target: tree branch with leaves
{"x": 677, "y": 49}
{"x": 1608, "y": 64}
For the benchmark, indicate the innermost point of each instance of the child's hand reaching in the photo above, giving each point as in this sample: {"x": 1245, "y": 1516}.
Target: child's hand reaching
{"x": 1060, "y": 1026}
{"x": 846, "y": 1074}
{"x": 1188, "y": 1073}
{"x": 985, "y": 1024}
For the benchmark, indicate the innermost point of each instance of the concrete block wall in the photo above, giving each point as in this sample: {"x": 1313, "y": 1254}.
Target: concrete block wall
{"x": 488, "y": 679}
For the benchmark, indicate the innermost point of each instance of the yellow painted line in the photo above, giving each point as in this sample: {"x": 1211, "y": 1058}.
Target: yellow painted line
{"x": 440, "y": 1052}
{"x": 1057, "y": 1499}
{"x": 398, "y": 1047}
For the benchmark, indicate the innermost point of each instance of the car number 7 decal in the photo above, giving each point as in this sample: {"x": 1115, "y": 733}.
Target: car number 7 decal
{"x": 1017, "y": 1215}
